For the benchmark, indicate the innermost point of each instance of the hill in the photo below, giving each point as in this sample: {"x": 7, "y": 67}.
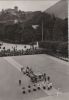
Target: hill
{"x": 16, "y": 26}
{"x": 13, "y": 16}
{"x": 60, "y": 9}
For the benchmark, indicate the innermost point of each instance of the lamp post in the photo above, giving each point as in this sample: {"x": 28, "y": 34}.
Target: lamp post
{"x": 42, "y": 31}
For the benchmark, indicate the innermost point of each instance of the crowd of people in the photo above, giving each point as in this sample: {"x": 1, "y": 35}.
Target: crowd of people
{"x": 15, "y": 50}
{"x": 42, "y": 79}
{"x": 19, "y": 52}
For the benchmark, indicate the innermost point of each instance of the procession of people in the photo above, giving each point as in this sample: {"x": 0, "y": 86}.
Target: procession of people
{"x": 39, "y": 81}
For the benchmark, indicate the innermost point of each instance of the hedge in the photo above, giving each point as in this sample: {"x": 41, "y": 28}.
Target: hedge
{"x": 55, "y": 47}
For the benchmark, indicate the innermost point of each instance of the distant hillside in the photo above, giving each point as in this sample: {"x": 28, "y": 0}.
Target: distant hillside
{"x": 17, "y": 26}
{"x": 12, "y": 16}
{"x": 60, "y": 9}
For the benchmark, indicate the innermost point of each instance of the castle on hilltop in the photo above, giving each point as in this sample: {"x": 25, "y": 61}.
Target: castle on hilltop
{"x": 12, "y": 11}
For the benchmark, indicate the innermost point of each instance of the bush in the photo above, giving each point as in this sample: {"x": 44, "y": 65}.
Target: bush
{"x": 63, "y": 49}
{"x": 55, "y": 47}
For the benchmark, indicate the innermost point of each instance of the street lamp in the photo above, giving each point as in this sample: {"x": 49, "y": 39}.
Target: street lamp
{"x": 42, "y": 30}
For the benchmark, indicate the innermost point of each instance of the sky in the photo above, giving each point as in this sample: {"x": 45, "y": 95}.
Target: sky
{"x": 27, "y": 5}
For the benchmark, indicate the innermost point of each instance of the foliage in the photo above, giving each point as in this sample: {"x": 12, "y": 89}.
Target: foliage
{"x": 55, "y": 47}
{"x": 54, "y": 29}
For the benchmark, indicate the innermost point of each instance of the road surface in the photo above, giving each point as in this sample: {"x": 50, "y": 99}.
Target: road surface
{"x": 9, "y": 75}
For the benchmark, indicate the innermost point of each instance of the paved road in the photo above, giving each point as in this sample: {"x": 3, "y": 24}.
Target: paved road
{"x": 57, "y": 69}
{"x": 15, "y": 64}
{"x": 9, "y": 76}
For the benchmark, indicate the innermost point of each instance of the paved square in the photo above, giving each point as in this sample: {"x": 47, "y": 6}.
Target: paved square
{"x": 9, "y": 76}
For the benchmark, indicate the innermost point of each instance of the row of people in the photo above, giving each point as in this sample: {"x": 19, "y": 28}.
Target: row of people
{"x": 35, "y": 78}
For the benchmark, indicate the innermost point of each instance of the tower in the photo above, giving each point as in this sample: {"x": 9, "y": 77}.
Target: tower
{"x": 16, "y": 8}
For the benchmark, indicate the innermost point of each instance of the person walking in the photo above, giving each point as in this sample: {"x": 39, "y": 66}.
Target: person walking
{"x": 19, "y": 82}
{"x": 44, "y": 77}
